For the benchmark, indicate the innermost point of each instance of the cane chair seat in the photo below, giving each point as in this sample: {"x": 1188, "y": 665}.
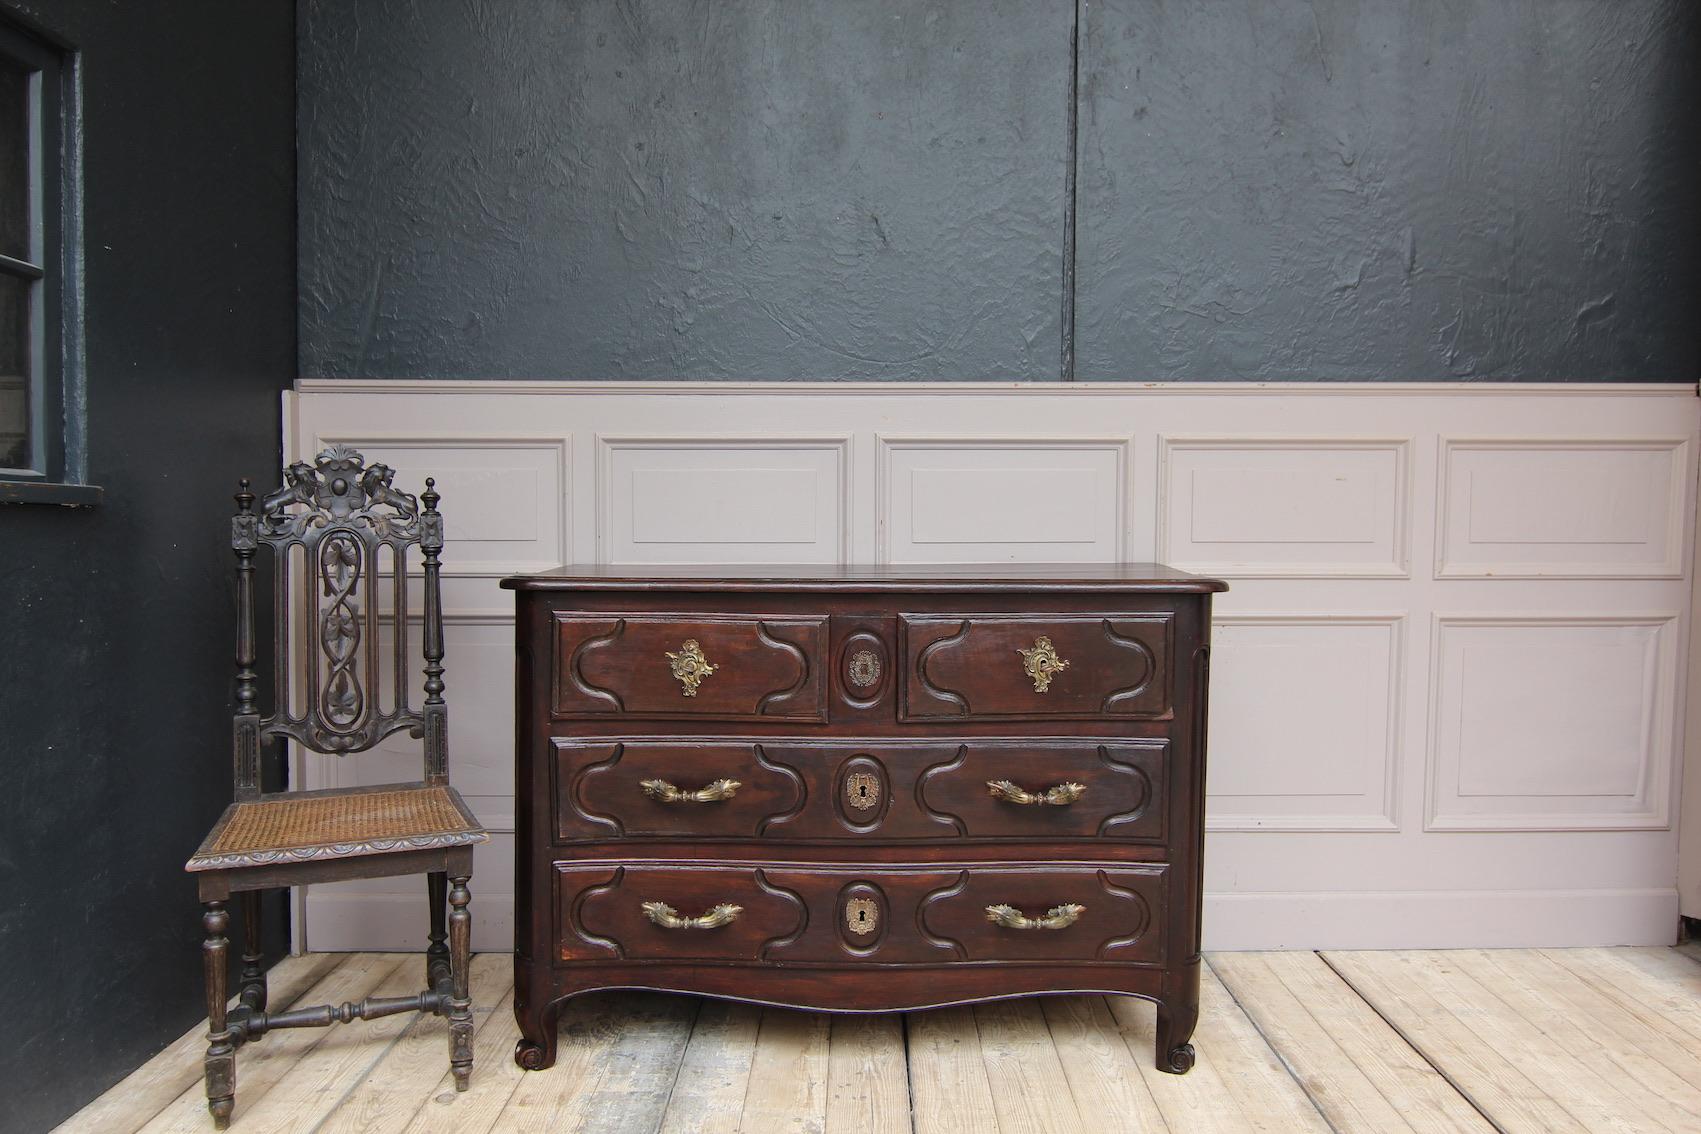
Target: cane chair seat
{"x": 338, "y": 823}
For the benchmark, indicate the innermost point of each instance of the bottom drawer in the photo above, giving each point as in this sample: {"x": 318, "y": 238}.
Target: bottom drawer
{"x": 932, "y": 914}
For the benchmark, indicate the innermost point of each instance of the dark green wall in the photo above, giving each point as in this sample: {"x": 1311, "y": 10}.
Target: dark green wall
{"x": 116, "y": 622}
{"x": 887, "y": 189}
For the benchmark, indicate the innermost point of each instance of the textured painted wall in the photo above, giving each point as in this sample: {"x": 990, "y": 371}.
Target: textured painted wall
{"x": 815, "y": 189}
{"x": 117, "y": 622}
{"x": 775, "y": 189}
{"x": 1380, "y": 189}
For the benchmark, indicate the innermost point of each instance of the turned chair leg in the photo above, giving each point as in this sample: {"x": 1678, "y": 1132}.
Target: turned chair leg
{"x": 437, "y": 953}
{"x": 460, "y": 997}
{"x": 253, "y": 992}
{"x": 221, "y": 1044}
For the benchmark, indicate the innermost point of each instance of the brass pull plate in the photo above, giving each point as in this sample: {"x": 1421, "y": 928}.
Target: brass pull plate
{"x": 1057, "y": 917}
{"x": 1041, "y": 663}
{"x": 667, "y": 917}
{"x": 1059, "y": 795}
{"x": 708, "y": 793}
{"x": 689, "y": 666}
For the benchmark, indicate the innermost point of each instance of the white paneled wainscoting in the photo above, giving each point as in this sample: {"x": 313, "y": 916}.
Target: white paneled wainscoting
{"x": 1449, "y": 680}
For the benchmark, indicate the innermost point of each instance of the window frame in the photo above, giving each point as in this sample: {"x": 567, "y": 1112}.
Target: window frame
{"x": 58, "y": 461}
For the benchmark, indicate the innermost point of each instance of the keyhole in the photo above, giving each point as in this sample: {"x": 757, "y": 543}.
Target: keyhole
{"x": 862, "y": 790}
{"x": 862, "y": 916}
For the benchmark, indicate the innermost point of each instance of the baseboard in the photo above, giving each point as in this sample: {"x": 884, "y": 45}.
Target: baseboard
{"x": 1453, "y": 919}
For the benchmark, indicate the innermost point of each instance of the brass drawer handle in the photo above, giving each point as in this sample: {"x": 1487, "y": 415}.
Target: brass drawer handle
{"x": 667, "y": 917}
{"x": 708, "y": 793}
{"x": 1041, "y": 663}
{"x": 1060, "y": 795}
{"x": 1057, "y": 917}
{"x": 689, "y": 666}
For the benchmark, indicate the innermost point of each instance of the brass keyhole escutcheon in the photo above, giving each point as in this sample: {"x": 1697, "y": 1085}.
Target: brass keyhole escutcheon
{"x": 865, "y": 669}
{"x": 689, "y": 666}
{"x": 1041, "y": 663}
{"x": 862, "y": 790}
{"x": 862, "y": 916}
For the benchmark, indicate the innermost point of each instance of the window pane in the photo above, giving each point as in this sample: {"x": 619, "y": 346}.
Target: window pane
{"x": 15, "y": 170}
{"x": 14, "y": 372}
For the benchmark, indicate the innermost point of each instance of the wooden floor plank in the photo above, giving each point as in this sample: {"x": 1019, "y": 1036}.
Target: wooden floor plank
{"x": 788, "y": 1077}
{"x": 1107, "y": 1087}
{"x": 1573, "y": 1076}
{"x": 714, "y": 1075}
{"x": 494, "y": 1079}
{"x": 134, "y": 1100}
{"x": 1663, "y": 979}
{"x": 1592, "y": 1032}
{"x": 868, "y": 1089}
{"x": 1542, "y": 1040}
{"x": 1030, "y": 1093}
{"x": 1359, "y": 1072}
{"x": 635, "y": 1076}
{"x": 1647, "y": 1002}
{"x": 949, "y": 1090}
{"x": 1237, "y": 1084}
{"x": 589, "y": 1027}
{"x": 260, "y": 1065}
{"x": 1461, "y": 1037}
{"x": 322, "y": 1076}
{"x": 398, "y": 1085}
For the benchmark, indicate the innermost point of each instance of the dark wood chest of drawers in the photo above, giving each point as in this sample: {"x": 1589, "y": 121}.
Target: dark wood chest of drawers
{"x": 860, "y": 789}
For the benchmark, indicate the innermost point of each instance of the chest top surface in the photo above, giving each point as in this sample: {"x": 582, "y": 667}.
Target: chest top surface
{"x": 1063, "y": 577}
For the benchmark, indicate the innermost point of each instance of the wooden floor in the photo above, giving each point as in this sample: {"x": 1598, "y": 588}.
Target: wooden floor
{"x": 1512, "y": 1040}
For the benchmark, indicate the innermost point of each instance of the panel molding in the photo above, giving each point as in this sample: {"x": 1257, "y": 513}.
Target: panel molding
{"x": 1386, "y": 817}
{"x": 1656, "y": 773}
{"x": 1121, "y": 446}
{"x": 1399, "y": 564}
{"x": 608, "y": 444}
{"x": 1675, "y": 509}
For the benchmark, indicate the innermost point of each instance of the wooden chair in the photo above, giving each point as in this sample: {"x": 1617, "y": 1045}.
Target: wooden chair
{"x": 340, "y": 513}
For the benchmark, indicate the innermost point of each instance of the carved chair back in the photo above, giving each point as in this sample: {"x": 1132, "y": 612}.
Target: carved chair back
{"x": 341, "y": 514}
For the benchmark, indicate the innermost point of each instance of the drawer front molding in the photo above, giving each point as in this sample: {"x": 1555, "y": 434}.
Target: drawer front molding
{"x": 875, "y": 793}
{"x": 996, "y": 666}
{"x": 912, "y": 915}
{"x": 664, "y": 665}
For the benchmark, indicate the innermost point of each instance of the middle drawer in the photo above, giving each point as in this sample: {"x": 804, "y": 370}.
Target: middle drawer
{"x": 942, "y": 791}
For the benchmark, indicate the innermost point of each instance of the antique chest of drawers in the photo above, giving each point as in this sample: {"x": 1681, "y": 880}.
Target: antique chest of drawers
{"x": 860, "y": 789}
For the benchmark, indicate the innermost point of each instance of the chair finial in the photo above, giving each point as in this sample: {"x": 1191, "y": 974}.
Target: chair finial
{"x": 430, "y": 496}
{"x": 244, "y": 498}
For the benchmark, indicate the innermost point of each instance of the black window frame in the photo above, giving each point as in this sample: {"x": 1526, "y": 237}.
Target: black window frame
{"x": 57, "y": 473}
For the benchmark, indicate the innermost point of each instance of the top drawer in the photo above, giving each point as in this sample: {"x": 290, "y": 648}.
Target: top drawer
{"x": 1003, "y": 667}
{"x": 719, "y": 667}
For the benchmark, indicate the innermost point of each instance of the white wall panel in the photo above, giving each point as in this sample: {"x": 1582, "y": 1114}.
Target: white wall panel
{"x": 1477, "y": 752}
{"x": 1552, "y": 722}
{"x": 1037, "y": 500}
{"x": 1283, "y": 506}
{"x": 723, "y": 500}
{"x": 505, "y": 499}
{"x": 1304, "y": 722}
{"x": 1533, "y": 507}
